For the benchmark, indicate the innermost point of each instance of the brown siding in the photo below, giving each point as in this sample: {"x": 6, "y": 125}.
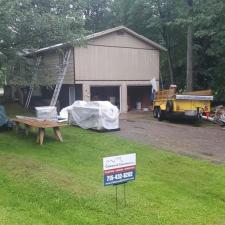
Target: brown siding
{"x": 52, "y": 59}
{"x": 69, "y": 77}
{"x": 111, "y": 57}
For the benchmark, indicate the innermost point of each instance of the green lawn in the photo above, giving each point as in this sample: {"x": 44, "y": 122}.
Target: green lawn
{"x": 62, "y": 183}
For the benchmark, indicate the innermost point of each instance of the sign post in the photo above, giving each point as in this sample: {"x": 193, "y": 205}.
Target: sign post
{"x": 119, "y": 170}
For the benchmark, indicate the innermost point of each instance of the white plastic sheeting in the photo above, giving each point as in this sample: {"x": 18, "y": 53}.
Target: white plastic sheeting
{"x": 46, "y": 112}
{"x": 97, "y": 115}
{"x": 153, "y": 82}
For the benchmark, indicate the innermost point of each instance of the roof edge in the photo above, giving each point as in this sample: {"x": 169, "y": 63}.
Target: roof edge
{"x": 133, "y": 33}
{"x": 99, "y": 34}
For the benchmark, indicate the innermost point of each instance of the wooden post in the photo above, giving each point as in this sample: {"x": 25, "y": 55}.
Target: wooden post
{"x": 58, "y": 134}
{"x": 27, "y": 129}
{"x": 41, "y": 134}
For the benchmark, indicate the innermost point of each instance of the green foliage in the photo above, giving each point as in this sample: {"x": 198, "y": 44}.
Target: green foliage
{"x": 35, "y": 23}
{"x": 166, "y": 23}
{"x": 31, "y": 24}
{"x": 97, "y": 14}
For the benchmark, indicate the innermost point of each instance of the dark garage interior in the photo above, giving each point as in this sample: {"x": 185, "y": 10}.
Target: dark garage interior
{"x": 137, "y": 95}
{"x": 106, "y": 93}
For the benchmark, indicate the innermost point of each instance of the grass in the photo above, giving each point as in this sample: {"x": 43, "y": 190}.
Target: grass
{"x": 63, "y": 184}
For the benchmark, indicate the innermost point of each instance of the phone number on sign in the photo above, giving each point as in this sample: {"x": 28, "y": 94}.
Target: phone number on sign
{"x": 119, "y": 176}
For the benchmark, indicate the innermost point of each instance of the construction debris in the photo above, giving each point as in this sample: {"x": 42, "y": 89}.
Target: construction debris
{"x": 218, "y": 116}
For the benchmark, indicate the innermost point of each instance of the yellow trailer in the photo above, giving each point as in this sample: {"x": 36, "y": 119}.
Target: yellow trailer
{"x": 168, "y": 103}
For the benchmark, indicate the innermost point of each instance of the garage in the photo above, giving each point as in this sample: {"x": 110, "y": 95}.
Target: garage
{"x": 139, "y": 97}
{"x": 106, "y": 93}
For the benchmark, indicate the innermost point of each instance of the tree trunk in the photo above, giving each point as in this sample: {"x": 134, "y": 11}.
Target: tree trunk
{"x": 189, "y": 79}
{"x": 170, "y": 67}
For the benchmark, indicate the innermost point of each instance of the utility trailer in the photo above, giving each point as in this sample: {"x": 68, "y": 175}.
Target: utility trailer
{"x": 168, "y": 103}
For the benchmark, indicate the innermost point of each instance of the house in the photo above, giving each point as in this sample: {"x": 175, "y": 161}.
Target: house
{"x": 116, "y": 65}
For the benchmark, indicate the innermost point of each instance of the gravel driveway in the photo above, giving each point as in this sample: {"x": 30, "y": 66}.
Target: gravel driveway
{"x": 206, "y": 141}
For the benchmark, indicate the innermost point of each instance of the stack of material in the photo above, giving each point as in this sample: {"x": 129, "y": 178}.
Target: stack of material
{"x": 46, "y": 113}
{"x": 220, "y": 115}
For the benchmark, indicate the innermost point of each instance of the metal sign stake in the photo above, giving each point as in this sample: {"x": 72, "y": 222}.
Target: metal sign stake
{"x": 124, "y": 194}
{"x": 116, "y": 199}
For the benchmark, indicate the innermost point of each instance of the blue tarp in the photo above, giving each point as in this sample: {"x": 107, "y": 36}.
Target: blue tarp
{"x": 3, "y": 117}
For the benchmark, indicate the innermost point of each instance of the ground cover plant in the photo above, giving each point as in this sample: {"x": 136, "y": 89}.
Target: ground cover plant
{"x": 62, "y": 183}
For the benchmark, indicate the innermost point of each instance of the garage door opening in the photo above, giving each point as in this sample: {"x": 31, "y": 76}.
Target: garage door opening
{"x": 106, "y": 93}
{"x": 139, "y": 97}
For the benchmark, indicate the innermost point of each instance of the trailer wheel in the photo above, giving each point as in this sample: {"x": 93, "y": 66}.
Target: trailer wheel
{"x": 155, "y": 112}
{"x": 169, "y": 106}
{"x": 199, "y": 115}
{"x": 161, "y": 114}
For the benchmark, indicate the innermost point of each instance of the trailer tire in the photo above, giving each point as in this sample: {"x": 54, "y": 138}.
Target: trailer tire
{"x": 169, "y": 106}
{"x": 161, "y": 114}
{"x": 155, "y": 112}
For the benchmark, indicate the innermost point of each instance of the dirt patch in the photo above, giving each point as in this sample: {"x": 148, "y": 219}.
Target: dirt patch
{"x": 204, "y": 140}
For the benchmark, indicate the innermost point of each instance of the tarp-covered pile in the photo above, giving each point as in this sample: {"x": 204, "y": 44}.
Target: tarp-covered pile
{"x": 4, "y": 121}
{"x": 99, "y": 115}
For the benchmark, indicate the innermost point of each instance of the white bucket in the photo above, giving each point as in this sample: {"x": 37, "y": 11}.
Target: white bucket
{"x": 138, "y": 105}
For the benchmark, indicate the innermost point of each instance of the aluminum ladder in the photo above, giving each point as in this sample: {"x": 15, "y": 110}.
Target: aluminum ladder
{"x": 60, "y": 78}
{"x": 31, "y": 88}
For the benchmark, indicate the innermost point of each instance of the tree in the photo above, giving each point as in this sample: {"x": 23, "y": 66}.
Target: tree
{"x": 189, "y": 79}
{"x": 31, "y": 24}
{"x": 97, "y": 14}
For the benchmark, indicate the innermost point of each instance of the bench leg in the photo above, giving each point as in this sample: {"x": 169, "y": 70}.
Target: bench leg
{"x": 41, "y": 135}
{"x": 38, "y": 137}
{"x": 17, "y": 125}
{"x": 27, "y": 129}
{"x": 58, "y": 134}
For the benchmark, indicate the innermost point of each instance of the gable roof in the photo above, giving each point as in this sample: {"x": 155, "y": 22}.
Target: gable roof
{"x": 100, "y": 34}
{"x": 129, "y": 31}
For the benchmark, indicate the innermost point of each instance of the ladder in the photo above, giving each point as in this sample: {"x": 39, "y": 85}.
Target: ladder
{"x": 60, "y": 78}
{"x": 31, "y": 88}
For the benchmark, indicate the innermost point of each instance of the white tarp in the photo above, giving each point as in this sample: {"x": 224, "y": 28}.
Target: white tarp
{"x": 96, "y": 115}
{"x": 153, "y": 82}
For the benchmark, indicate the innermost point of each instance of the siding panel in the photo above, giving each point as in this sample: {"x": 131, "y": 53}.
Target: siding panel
{"x": 112, "y": 63}
{"x": 120, "y": 39}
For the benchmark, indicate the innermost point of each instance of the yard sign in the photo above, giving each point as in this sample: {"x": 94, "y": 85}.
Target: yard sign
{"x": 119, "y": 169}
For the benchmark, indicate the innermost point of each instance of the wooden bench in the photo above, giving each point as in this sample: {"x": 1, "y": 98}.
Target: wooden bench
{"x": 41, "y": 125}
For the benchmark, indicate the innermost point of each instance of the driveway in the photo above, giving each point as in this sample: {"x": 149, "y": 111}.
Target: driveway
{"x": 206, "y": 141}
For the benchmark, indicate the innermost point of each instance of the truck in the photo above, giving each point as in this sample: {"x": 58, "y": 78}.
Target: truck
{"x": 168, "y": 103}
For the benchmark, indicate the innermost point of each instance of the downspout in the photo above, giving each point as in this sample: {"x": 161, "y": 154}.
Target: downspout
{"x": 74, "y": 68}
{"x": 74, "y": 73}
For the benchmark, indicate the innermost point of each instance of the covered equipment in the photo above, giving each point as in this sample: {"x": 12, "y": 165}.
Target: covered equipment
{"x": 4, "y": 121}
{"x": 99, "y": 115}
